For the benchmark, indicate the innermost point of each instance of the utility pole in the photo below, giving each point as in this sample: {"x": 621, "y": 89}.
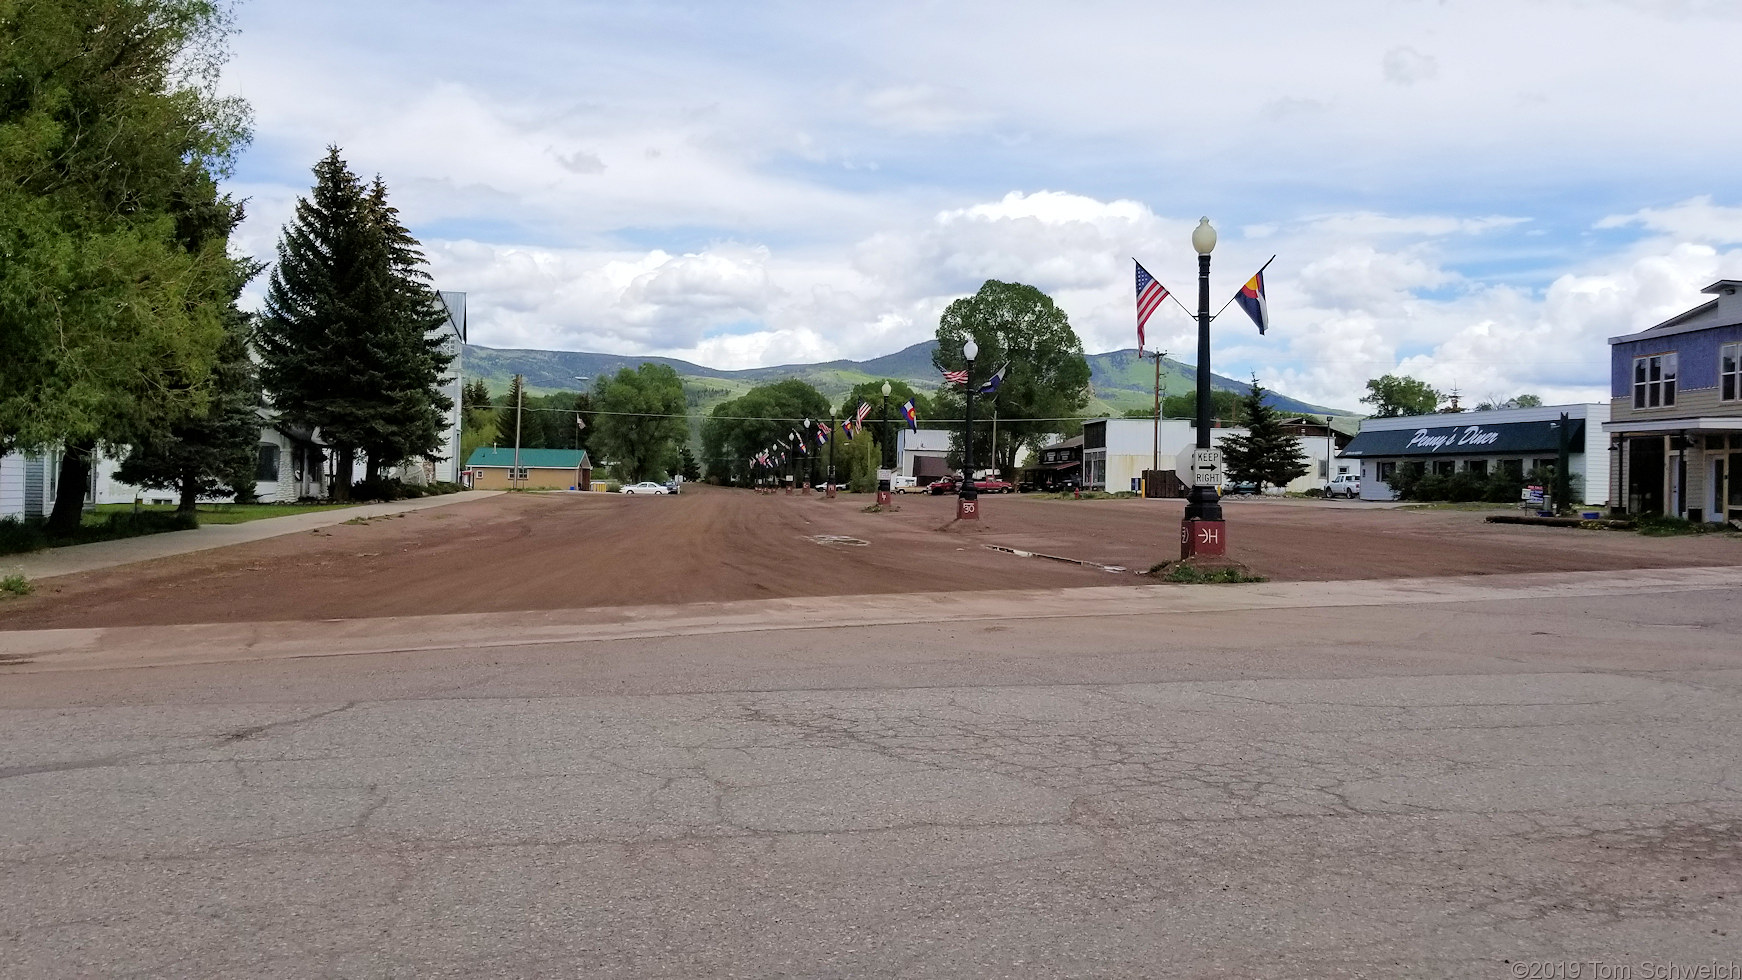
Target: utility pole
{"x": 1155, "y": 453}
{"x": 519, "y": 404}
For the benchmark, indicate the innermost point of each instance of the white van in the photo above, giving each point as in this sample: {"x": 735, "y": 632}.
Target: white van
{"x": 905, "y": 484}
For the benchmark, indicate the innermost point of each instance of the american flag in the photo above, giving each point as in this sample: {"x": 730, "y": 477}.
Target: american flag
{"x": 859, "y": 416}
{"x": 1149, "y": 296}
{"x": 956, "y": 377}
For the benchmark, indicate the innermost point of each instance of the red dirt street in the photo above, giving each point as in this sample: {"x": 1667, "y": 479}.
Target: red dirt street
{"x": 560, "y": 551}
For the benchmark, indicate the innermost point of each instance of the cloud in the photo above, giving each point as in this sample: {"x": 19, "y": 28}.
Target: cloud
{"x": 1696, "y": 220}
{"x": 1406, "y": 66}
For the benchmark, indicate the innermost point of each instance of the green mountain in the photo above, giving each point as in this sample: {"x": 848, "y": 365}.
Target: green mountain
{"x": 1119, "y": 379}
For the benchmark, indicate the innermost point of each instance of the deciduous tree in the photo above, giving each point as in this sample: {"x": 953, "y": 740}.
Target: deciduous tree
{"x": 1393, "y": 395}
{"x": 1020, "y": 327}
{"x": 641, "y": 420}
{"x": 112, "y": 138}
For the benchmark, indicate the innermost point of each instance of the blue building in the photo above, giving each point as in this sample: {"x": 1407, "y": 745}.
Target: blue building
{"x": 1675, "y": 427}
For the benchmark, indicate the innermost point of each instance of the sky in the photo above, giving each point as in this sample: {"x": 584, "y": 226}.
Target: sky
{"x": 1477, "y": 193}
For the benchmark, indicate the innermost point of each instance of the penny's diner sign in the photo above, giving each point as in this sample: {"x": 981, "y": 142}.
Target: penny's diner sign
{"x": 1433, "y": 440}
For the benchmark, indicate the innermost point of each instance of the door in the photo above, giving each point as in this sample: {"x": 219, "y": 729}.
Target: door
{"x": 1719, "y": 490}
{"x": 1645, "y": 475}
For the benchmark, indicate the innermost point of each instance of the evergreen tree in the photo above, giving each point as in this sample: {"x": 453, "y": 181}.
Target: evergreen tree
{"x": 345, "y": 344}
{"x": 413, "y": 363}
{"x": 512, "y": 417}
{"x": 212, "y": 453}
{"x": 1267, "y": 454}
{"x": 686, "y": 465}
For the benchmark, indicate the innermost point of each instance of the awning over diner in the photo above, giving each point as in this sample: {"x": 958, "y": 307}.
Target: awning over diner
{"x": 1468, "y": 440}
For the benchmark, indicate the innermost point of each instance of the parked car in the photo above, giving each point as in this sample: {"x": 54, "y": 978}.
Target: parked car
{"x": 1240, "y": 488}
{"x": 1344, "y": 485}
{"x": 671, "y": 486}
{"x": 994, "y": 486}
{"x": 943, "y": 486}
{"x": 645, "y": 487}
{"x": 908, "y": 484}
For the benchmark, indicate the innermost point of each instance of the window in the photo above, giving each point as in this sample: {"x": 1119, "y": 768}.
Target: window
{"x": 1445, "y": 467}
{"x": 1730, "y": 372}
{"x": 1513, "y": 468}
{"x": 1324, "y": 469}
{"x": 1654, "y": 381}
{"x": 519, "y": 474}
{"x": 1387, "y": 470}
{"x": 1476, "y": 467}
{"x": 266, "y": 469}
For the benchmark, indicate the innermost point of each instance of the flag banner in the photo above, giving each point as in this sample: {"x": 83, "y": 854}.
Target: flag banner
{"x": 991, "y": 384}
{"x": 847, "y": 427}
{"x": 1251, "y": 299}
{"x": 798, "y": 442}
{"x": 911, "y": 414}
{"x": 822, "y": 433}
{"x": 859, "y": 416}
{"x": 956, "y": 377}
{"x": 1149, "y": 296}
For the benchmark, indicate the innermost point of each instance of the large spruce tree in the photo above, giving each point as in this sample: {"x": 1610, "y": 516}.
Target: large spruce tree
{"x": 1267, "y": 455}
{"x": 344, "y": 340}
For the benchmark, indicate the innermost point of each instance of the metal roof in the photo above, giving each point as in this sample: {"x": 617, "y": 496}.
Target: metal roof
{"x": 543, "y": 459}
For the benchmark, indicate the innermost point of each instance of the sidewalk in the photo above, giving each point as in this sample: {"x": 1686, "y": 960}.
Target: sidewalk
{"x": 108, "y": 554}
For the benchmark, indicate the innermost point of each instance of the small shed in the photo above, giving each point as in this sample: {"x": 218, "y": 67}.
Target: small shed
{"x": 540, "y": 469}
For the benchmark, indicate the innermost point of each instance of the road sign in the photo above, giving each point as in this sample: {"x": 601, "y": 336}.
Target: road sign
{"x": 1206, "y": 469}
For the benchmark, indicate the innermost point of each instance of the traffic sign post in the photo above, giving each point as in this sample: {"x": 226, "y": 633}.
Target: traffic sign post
{"x": 1200, "y": 537}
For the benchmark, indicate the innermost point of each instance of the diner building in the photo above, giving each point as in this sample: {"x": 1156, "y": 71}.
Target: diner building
{"x": 1515, "y": 440}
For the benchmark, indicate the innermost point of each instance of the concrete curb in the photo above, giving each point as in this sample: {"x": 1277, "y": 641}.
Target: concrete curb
{"x": 109, "y": 554}
{"x": 111, "y": 648}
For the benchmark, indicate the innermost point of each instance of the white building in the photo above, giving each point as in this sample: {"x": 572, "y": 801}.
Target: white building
{"x": 1117, "y": 451}
{"x": 27, "y": 483}
{"x": 1518, "y": 440}
{"x": 922, "y": 453}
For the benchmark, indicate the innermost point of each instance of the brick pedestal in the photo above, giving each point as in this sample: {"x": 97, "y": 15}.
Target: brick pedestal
{"x": 967, "y": 509}
{"x": 1206, "y": 538}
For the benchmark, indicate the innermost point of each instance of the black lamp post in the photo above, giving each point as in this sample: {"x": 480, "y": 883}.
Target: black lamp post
{"x": 1204, "y": 504}
{"x": 968, "y": 496}
{"x": 833, "y": 433}
{"x": 1202, "y": 532}
{"x": 888, "y": 453}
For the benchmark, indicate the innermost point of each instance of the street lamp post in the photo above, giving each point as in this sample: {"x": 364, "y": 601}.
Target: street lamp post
{"x": 833, "y": 432}
{"x": 883, "y": 452}
{"x": 1203, "y": 532}
{"x": 968, "y": 496}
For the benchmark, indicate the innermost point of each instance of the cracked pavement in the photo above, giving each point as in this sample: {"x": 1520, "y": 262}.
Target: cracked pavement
{"x": 1430, "y": 789}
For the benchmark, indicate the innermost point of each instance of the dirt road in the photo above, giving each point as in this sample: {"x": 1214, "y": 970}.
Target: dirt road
{"x": 534, "y": 551}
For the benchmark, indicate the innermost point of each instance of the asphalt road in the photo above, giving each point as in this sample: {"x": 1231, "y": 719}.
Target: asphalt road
{"x": 1447, "y": 778}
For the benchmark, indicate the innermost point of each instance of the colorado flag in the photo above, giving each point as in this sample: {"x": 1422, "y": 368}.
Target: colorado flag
{"x": 1251, "y": 299}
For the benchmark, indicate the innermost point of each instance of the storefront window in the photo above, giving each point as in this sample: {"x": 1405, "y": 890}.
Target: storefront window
{"x": 1477, "y": 467}
{"x": 1654, "y": 381}
{"x": 1387, "y": 470}
{"x": 1445, "y": 467}
{"x": 1513, "y": 468}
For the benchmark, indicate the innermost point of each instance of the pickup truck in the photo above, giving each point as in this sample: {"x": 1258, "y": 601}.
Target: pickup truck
{"x": 1344, "y": 485}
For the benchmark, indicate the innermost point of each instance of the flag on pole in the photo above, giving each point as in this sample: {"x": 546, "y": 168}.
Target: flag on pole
{"x": 822, "y": 434}
{"x": 909, "y": 413}
{"x": 859, "y": 416}
{"x": 991, "y": 384}
{"x": 1251, "y": 299}
{"x": 847, "y": 426}
{"x": 1150, "y": 294}
{"x": 956, "y": 377}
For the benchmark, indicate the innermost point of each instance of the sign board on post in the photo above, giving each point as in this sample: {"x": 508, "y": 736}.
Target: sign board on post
{"x": 1205, "y": 469}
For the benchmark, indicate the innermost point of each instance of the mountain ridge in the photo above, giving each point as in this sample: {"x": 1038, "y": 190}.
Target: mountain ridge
{"x": 1119, "y": 380}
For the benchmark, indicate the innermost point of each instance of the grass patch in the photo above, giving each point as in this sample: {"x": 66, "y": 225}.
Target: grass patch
{"x": 16, "y": 585}
{"x": 1661, "y": 526}
{"x": 1088, "y": 495}
{"x": 1185, "y": 573}
{"x": 1471, "y": 505}
{"x": 224, "y": 513}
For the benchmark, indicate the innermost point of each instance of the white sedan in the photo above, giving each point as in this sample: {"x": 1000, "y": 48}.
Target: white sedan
{"x": 646, "y": 488}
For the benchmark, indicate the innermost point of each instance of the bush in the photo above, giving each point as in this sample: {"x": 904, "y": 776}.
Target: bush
{"x": 18, "y": 536}
{"x": 16, "y": 585}
{"x": 1313, "y": 492}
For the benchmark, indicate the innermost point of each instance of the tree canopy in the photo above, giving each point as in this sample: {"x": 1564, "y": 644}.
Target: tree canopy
{"x": 1395, "y": 395}
{"x": 112, "y": 140}
{"x": 1047, "y": 377}
{"x": 762, "y": 417}
{"x": 641, "y": 420}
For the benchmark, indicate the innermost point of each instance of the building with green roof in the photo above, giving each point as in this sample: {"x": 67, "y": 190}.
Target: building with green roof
{"x": 540, "y": 469}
